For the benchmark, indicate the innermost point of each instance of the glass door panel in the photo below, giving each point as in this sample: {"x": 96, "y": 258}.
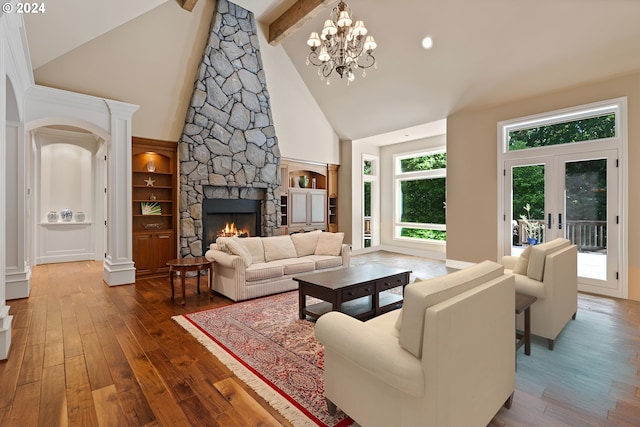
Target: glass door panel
{"x": 586, "y": 215}
{"x": 527, "y": 206}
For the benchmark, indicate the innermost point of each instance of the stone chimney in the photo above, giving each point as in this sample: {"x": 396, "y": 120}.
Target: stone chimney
{"x": 228, "y": 148}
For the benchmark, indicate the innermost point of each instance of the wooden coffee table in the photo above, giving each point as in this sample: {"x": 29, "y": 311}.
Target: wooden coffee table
{"x": 361, "y": 291}
{"x": 183, "y": 265}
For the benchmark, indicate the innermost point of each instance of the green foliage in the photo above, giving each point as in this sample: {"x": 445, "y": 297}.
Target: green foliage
{"x": 528, "y": 189}
{"x": 419, "y": 233}
{"x": 424, "y": 163}
{"x": 367, "y": 199}
{"x": 367, "y": 167}
{"x": 423, "y": 201}
{"x": 564, "y": 133}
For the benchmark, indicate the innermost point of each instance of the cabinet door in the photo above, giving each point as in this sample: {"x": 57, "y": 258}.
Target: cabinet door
{"x": 318, "y": 208}
{"x": 164, "y": 250}
{"x": 142, "y": 252}
{"x": 298, "y": 204}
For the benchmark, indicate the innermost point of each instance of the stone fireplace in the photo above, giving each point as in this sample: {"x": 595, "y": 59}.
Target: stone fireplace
{"x": 229, "y": 149}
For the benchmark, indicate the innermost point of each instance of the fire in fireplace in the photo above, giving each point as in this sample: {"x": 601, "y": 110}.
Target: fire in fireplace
{"x": 231, "y": 230}
{"x": 230, "y": 217}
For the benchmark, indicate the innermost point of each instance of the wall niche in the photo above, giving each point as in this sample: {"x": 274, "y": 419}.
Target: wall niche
{"x": 69, "y": 176}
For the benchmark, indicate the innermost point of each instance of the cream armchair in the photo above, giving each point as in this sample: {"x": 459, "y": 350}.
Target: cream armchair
{"x": 549, "y": 272}
{"x": 447, "y": 358}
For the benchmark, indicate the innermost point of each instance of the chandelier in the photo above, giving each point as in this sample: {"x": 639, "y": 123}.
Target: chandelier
{"x": 341, "y": 46}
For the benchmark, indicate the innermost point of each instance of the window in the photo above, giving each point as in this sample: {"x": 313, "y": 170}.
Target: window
{"x": 421, "y": 189}
{"x": 369, "y": 200}
{"x": 581, "y": 126}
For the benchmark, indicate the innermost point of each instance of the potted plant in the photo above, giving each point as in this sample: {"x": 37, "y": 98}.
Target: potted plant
{"x": 532, "y": 228}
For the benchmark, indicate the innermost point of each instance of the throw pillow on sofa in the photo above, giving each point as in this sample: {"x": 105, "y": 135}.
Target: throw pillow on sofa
{"x": 329, "y": 244}
{"x": 236, "y": 247}
{"x": 305, "y": 243}
{"x": 278, "y": 247}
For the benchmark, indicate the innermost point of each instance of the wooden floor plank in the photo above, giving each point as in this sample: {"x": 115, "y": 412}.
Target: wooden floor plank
{"x": 249, "y": 412}
{"x": 31, "y": 369}
{"x": 81, "y": 410}
{"x": 24, "y": 411}
{"x": 53, "y": 398}
{"x": 108, "y": 409}
{"x": 97, "y": 367}
{"x": 165, "y": 408}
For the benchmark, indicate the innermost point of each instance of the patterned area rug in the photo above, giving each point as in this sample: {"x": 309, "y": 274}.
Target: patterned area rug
{"x": 265, "y": 344}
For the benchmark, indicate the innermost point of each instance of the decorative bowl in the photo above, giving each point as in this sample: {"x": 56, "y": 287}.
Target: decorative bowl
{"x": 152, "y": 226}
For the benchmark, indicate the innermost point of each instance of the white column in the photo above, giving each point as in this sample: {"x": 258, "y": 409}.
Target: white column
{"x": 18, "y": 215}
{"x": 118, "y": 264}
{"x": 5, "y": 319}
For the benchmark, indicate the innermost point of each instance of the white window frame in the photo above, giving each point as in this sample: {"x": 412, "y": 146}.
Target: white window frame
{"x": 399, "y": 177}
{"x": 375, "y": 199}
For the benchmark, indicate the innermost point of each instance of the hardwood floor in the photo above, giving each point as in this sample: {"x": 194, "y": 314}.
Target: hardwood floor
{"x": 85, "y": 354}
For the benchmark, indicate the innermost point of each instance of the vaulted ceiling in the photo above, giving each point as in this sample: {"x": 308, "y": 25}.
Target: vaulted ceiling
{"x": 484, "y": 52}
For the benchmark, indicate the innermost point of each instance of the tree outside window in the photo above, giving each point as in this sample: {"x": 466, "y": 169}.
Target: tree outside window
{"x": 421, "y": 184}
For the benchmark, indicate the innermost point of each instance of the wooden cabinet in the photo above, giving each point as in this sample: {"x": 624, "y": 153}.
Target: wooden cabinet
{"x": 307, "y": 209}
{"x": 154, "y": 199}
{"x": 308, "y": 196}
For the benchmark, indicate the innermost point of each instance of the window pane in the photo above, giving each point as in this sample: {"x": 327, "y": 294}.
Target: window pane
{"x": 423, "y": 201}
{"x": 564, "y": 133}
{"x": 367, "y": 167}
{"x": 367, "y": 199}
{"x": 424, "y": 163}
{"x": 419, "y": 233}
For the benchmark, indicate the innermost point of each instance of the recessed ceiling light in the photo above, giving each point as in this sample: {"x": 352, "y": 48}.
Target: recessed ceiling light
{"x": 427, "y": 42}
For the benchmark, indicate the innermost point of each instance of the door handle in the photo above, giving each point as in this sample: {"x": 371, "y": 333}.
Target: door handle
{"x": 559, "y": 221}
{"x": 549, "y": 220}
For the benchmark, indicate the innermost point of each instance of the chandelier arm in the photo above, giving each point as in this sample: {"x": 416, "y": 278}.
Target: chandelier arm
{"x": 369, "y": 59}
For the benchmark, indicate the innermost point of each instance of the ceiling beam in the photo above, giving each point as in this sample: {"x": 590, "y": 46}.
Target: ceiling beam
{"x": 287, "y": 23}
{"x": 189, "y": 4}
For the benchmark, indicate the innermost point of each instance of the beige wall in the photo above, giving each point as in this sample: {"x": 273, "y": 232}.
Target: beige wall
{"x": 472, "y": 169}
{"x": 152, "y": 61}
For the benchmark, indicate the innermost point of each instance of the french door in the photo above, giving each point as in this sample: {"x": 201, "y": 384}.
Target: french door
{"x": 574, "y": 196}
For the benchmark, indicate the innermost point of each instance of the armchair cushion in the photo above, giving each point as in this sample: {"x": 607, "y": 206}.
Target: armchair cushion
{"x": 523, "y": 262}
{"x": 539, "y": 253}
{"x": 422, "y": 295}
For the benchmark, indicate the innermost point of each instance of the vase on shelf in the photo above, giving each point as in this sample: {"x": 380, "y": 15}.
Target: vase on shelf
{"x": 532, "y": 241}
{"x": 80, "y": 216}
{"x": 151, "y": 166}
{"x": 52, "y": 216}
{"x": 304, "y": 181}
{"x": 66, "y": 215}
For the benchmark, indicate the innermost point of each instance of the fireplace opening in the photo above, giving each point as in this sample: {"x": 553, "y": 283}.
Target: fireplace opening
{"x": 228, "y": 218}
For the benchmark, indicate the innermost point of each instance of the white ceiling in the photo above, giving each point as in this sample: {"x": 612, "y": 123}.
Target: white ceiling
{"x": 484, "y": 53}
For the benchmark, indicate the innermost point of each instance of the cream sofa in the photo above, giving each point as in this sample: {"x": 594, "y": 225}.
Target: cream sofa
{"x": 447, "y": 358}
{"x": 252, "y": 267}
{"x": 548, "y": 271}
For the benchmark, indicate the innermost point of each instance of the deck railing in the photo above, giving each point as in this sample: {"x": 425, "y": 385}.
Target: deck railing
{"x": 588, "y": 236}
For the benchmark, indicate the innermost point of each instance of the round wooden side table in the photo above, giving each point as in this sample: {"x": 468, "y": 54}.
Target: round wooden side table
{"x": 183, "y": 265}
